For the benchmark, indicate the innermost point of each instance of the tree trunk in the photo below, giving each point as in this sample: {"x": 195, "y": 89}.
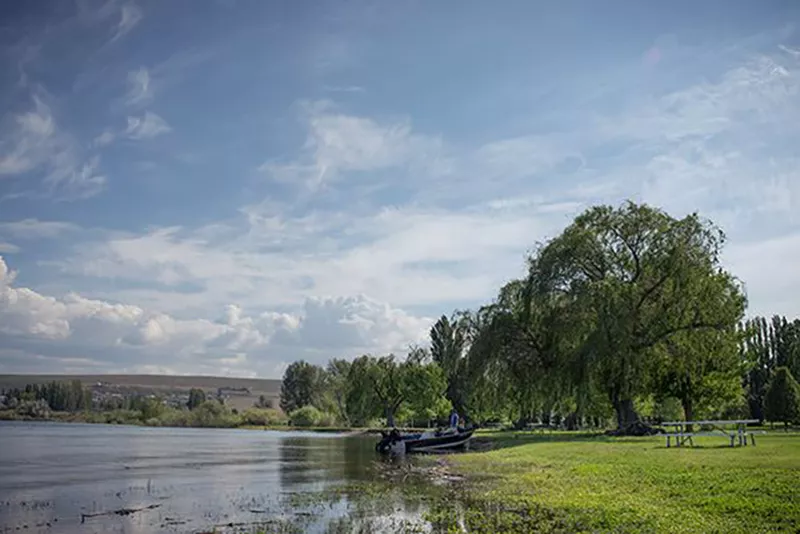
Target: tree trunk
{"x": 389, "y": 417}
{"x": 688, "y": 412}
{"x": 626, "y": 413}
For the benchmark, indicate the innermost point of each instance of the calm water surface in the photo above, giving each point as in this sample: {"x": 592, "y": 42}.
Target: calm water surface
{"x": 73, "y": 477}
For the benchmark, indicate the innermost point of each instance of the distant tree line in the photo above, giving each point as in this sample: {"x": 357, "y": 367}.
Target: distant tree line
{"x": 626, "y": 315}
{"x": 70, "y": 401}
{"x": 59, "y": 396}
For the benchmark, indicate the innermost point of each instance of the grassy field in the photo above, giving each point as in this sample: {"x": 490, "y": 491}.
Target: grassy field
{"x": 584, "y": 483}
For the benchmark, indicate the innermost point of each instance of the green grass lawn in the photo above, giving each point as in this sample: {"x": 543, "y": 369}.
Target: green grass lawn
{"x": 578, "y": 482}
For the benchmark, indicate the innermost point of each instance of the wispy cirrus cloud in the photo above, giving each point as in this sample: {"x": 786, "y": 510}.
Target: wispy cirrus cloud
{"x": 36, "y": 147}
{"x": 36, "y": 229}
{"x": 147, "y": 126}
{"x": 338, "y": 143}
{"x": 140, "y": 89}
{"x": 129, "y": 16}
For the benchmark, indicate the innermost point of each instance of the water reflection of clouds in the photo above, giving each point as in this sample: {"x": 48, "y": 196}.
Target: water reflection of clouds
{"x": 197, "y": 479}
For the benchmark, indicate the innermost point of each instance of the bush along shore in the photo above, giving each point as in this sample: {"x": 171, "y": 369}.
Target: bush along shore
{"x": 73, "y": 405}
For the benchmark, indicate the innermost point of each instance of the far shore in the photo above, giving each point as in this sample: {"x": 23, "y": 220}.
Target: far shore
{"x": 71, "y": 418}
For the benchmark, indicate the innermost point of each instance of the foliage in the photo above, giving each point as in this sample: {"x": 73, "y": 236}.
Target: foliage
{"x": 263, "y": 417}
{"x": 701, "y": 369}
{"x": 765, "y": 346}
{"x": 782, "y": 400}
{"x": 336, "y": 388}
{"x": 639, "y": 278}
{"x": 301, "y": 385}
{"x": 196, "y": 398}
{"x": 424, "y": 388}
{"x": 60, "y": 396}
{"x": 306, "y": 416}
{"x": 36, "y": 409}
{"x": 447, "y": 350}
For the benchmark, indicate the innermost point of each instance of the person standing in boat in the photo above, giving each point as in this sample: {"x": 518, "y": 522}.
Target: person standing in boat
{"x": 454, "y": 419}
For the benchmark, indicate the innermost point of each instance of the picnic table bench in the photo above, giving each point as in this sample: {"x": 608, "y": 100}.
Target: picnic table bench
{"x": 740, "y": 432}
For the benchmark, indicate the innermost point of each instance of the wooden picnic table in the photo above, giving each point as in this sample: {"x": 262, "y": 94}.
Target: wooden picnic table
{"x": 740, "y": 432}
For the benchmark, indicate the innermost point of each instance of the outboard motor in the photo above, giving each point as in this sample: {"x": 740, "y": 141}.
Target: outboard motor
{"x": 391, "y": 442}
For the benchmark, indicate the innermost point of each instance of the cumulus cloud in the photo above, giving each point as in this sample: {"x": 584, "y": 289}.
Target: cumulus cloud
{"x": 237, "y": 342}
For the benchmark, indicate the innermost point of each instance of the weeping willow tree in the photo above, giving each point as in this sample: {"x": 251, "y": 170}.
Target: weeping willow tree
{"x": 638, "y": 279}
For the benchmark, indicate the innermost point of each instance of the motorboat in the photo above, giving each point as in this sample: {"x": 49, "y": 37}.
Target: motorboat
{"x": 439, "y": 440}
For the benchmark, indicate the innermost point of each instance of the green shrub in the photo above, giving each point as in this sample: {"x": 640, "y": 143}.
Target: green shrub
{"x": 328, "y": 419}
{"x": 263, "y": 417}
{"x": 213, "y": 414}
{"x": 306, "y": 416}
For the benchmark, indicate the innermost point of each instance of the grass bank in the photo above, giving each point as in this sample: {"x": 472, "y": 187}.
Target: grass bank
{"x": 567, "y": 482}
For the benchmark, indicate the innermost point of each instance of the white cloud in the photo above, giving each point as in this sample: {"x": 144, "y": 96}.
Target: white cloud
{"x": 404, "y": 256}
{"x": 130, "y": 15}
{"x": 794, "y": 52}
{"x": 140, "y": 89}
{"x": 105, "y": 138}
{"x": 36, "y": 229}
{"x": 237, "y": 342}
{"x": 8, "y": 248}
{"x": 37, "y": 144}
{"x": 82, "y": 182}
{"x": 148, "y": 126}
{"x": 769, "y": 270}
{"x": 31, "y": 139}
{"x": 339, "y": 143}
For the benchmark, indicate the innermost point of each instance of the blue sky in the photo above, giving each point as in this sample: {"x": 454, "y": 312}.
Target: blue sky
{"x": 222, "y": 187}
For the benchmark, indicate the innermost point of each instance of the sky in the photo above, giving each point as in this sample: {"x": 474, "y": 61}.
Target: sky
{"x": 224, "y": 187}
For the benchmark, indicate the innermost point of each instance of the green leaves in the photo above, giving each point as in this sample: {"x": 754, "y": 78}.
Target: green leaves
{"x": 302, "y": 385}
{"x": 782, "y": 401}
{"x": 638, "y": 279}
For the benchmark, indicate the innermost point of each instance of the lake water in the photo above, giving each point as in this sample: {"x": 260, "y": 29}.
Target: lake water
{"x": 82, "y": 478}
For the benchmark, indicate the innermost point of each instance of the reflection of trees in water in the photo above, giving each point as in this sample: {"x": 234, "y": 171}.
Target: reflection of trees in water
{"x": 359, "y": 456}
{"x": 295, "y": 462}
{"x": 305, "y": 460}
{"x": 335, "y": 476}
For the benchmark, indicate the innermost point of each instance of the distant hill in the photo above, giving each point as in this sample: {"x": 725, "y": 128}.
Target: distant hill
{"x": 270, "y": 388}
